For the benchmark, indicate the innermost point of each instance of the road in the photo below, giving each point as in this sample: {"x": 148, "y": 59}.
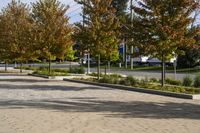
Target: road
{"x": 146, "y": 74}
{"x": 137, "y": 74}
{"x": 35, "y": 105}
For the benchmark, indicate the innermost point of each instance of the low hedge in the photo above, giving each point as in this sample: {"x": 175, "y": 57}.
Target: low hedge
{"x": 197, "y": 81}
{"x": 55, "y": 71}
{"x": 187, "y": 81}
{"x": 131, "y": 81}
{"x": 173, "y": 81}
{"x": 77, "y": 70}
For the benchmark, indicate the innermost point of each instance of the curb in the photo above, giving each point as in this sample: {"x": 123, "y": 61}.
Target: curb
{"x": 142, "y": 90}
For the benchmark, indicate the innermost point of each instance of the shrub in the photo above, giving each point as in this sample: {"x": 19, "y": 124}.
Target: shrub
{"x": 53, "y": 73}
{"x": 77, "y": 70}
{"x": 109, "y": 79}
{"x": 60, "y": 70}
{"x": 154, "y": 80}
{"x": 197, "y": 81}
{"x": 42, "y": 68}
{"x": 27, "y": 67}
{"x": 122, "y": 82}
{"x": 96, "y": 74}
{"x": 105, "y": 79}
{"x": 187, "y": 81}
{"x": 116, "y": 81}
{"x": 115, "y": 76}
{"x": 173, "y": 81}
{"x": 129, "y": 81}
{"x": 144, "y": 82}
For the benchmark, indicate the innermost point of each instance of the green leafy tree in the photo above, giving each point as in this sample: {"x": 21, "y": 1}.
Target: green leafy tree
{"x": 81, "y": 37}
{"x": 70, "y": 55}
{"x": 100, "y": 27}
{"x": 121, "y": 13}
{"x": 121, "y": 8}
{"x": 16, "y": 35}
{"x": 52, "y": 28}
{"x": 160, "y": 28}
{"x": 191, "y": 57}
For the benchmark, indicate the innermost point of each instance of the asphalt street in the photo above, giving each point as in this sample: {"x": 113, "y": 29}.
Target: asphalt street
{"x": 137, "y": 74}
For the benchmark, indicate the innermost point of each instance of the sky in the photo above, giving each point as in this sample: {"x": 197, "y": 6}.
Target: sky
{"x": 73, "y": 12}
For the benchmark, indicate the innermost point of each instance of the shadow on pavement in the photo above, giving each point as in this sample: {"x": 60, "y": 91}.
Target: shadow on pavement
{"x": 25, "y": 80}
{"x": 48, "y": 87}
{"x": 135, "y": 109}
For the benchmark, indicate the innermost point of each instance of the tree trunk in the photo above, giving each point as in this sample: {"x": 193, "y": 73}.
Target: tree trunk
{"x": 175, "y": 65}
{"x": 163, "y": 72}
{"x": 131, "y": 57}
{"x": 21, "y": 67}
{"x": 6, "y": 66}
{"x": 88, "y": 69}
{"x": 105, "y": 70}
{"x": 99, "y": 71}
{"x": 49, "y": 65}
{"x": 15, "y": 64}
{"x": 82, "y": 62}
{"x": 109, "y": 67}
{"x": 70, "y": 67}
{"x": 82, "y": 55}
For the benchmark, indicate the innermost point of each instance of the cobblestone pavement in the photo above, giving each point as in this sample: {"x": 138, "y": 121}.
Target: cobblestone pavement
{"x": 35, "y": 105}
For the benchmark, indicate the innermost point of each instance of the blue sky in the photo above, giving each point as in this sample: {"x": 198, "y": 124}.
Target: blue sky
{"x": 73, "y": 12}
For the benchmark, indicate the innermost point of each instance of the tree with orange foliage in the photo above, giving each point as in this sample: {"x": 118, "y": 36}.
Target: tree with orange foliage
{"x": 160, "y": 28}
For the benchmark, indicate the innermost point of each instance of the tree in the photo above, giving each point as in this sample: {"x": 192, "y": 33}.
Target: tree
{"x": 53, "y": 29}
{"x": 111, "y": 51}
{"x": 120, "y": 6}
{"x": 191, "y": 57}
{"x": 5, "y": 54}
{"x": 70, "y": 55}
{"x": 160, "y": 28}
{"x": 100, "y": 26}
{"x": 16, "y": 27}
{"x": 81, "y": 36}
{"x": 121, "y": 13}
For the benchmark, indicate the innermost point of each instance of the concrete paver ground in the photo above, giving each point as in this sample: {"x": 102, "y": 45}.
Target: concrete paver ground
{"x": 35, "y": 105}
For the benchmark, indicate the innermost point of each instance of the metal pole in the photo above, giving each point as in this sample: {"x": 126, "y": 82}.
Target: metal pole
{"x": 131, "y": 57}
{"x": 99, "y": 67}
{"x": 125, "y": 47}
{"x": 88, "y": 51}
{"x": 131, "y": 39}
{"x": 123, "y": 50}
{"x": 175, "y": 65}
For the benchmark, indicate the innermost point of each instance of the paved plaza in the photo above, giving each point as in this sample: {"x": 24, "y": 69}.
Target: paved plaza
{"x": 35, "y": 105}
